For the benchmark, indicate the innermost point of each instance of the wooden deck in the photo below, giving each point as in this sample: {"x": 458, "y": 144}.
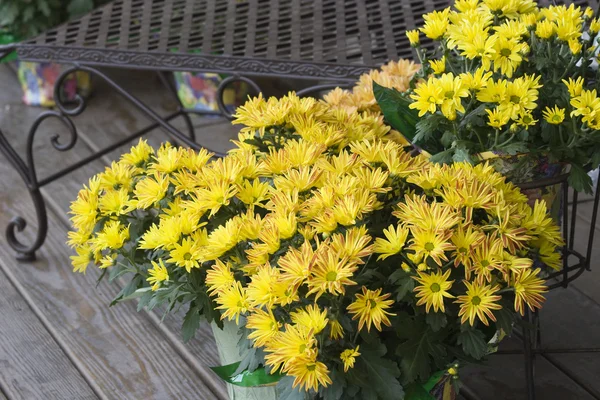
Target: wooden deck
{"x": 59, "y": 339}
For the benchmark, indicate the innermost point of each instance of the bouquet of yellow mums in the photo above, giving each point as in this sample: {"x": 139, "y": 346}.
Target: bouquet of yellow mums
{"x": 508, "y": 78}
{"x": 351, "y": 269}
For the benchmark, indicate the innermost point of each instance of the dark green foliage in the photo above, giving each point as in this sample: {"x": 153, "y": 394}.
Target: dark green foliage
{"x": 28, "y": 18}
{"x": 473, "y": 342}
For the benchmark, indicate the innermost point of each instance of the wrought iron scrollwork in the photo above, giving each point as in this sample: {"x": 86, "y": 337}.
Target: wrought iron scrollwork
{"x": 27, "y": 171}
{"x": 221, "y": 92}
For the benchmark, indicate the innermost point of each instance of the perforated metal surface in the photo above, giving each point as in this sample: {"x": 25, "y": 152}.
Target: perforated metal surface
{"x": 308, "y": 38}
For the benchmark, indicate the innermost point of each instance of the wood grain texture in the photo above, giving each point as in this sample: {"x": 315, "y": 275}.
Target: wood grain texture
{"x": 32, "y": 364}
{"x": 123, "y": 350}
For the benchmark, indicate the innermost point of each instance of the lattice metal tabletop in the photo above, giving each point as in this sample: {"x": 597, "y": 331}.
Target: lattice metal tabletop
{"x": 338, "y": 39}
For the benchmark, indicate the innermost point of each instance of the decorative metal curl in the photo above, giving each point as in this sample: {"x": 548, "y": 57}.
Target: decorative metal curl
{"x": 162, "y": 122}
{"x": 221, "y": 91}
{"x": 61, "y": 104}
{"x": 28, "y": 174}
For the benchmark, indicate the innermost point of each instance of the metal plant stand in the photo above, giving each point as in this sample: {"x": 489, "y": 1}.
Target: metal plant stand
{"x": 574, "y": 264}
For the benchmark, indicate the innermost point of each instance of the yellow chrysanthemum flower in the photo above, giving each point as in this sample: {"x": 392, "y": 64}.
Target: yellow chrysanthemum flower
{"x": 354, "y": 244}
{"x": 84, "y": 210}
{"x": 263, "y": 326}
{"x": 479, "y": 301}
{"x": 554, "y": 116}
{"x": 529, "y": 290}
{"x": 309, "y": 373}
{"x": 336, "y": 331}
{"x": 574, "y": 86}
{"x": 187, "y": 255}
{"x": 115, "y": 202}
{"x": 261, "y": 290}
{"x": 438, "y": 66}
{"x": 509, "y": 55}
{"x": 545, "y": 29}
{"x": 112, "y": 236}
{"x": 117, "y": 176}
{"x": 496, "y": 118}
{"x": 138, "y": 155}
{"x": 430, "y": 244}
{"x": 219, "y": 277}
{"x": 253, "y": 192}
{"x": 428, "y": 95}
{"x": 575, "y": 46}
{"x": 476, "y": 81}
{"x": 83, "y": 258}
{"x": 158, "y": 274}
{"x": 348, "y": 357}
{"x": 310, "y": 317}
{"x": 151, "y": 189}
{"x": 293, "y": 343}
{"x": 436, "y": 24}
{"x": 370, "y": 308}
{"x": 413, "y": 37}
{"x": 295, "y": 265}
{"x": 330, "y": 274}
{"x": 595, "y": 26}
{"x": 432, "y": 290}
{"x": 453, "y": 91}
{"x": 233, "y": 301}
{"x": 215, "y": 196}
{"x": 167, "y": 159}
{"x": 395, "y": 238}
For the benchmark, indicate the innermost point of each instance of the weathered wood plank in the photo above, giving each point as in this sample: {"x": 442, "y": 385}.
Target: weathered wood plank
{"x": 124, "y": 351}
{"x": 59, "y": 194}
{"x": 33, "y": 364}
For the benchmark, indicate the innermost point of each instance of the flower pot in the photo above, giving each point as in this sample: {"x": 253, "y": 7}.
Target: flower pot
{"x": 227, "y": 340}
{"x": 198, "y": 91}
{"x": 38, "y": 79}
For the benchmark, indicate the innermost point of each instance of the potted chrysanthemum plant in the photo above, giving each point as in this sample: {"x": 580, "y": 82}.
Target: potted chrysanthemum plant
{"x": 508, "y": 82}
{"x": 331, "y": 263}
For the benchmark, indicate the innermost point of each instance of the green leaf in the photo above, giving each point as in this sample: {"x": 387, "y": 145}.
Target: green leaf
{"x": 336, "y": 389}
{"x": 191, "y": 323}
{"x": 382, "y": 372}
{"x": 436, "y": 320}
{"x": 473, "y": 342}
{"x": 473, "y": 117}
{"x": 505, "y": 319}
{"x": 461, "y": 154}
{"x": 514, "y": 148}
{"x": 138, "y": 293}
{"x": 416, "y": 391}
{"x": 131, "y": 287}
{"x": 443, "y": 157}
{"x": 285, "y": 391}
{"x": 427, "y": 127}
{"x": 259, "y": 377}
{"x": 394, "y": 108}
{"x": 579, "y": 179}
{"x": 397, "y": 276}
{"x": 415, "y": 358}
{"x": 405, "y": 286}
